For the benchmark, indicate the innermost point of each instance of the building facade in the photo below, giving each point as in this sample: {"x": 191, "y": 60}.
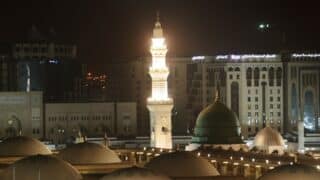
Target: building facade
{"x": 262, "y": 89}
{"x": 64, "y": 121}
{"x": 21, "y": 113}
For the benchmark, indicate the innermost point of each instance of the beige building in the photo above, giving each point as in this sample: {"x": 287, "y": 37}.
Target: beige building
{"x": 303, "y": 96}
{"x": 21, "y": 113}
{"x": 66, "y": 120}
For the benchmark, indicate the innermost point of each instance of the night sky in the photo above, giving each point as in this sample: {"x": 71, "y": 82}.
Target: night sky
{"x": 107, "y": 30}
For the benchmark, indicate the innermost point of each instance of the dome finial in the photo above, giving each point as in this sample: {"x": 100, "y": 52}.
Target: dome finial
{"x": 217, "y": 93}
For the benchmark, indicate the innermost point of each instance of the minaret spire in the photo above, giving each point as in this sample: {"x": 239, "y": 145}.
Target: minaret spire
{"x": 157, "y": 30}
{"x": 158, "y": 16}
{"x": 159, "y": 104}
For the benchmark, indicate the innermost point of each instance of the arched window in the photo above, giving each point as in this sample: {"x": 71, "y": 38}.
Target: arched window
{"x": 294, "y": 104}
{"x": 271, "y": 76}
{"x": 309, "y": 113}
{"x": 279, "y": 76}
{"x": 237, "y": 69}
{"x": 235, "y": 97}
{"x": 256, "y": 75}
{"x": 249, "y": 76}
{"x": 230, "y": 69}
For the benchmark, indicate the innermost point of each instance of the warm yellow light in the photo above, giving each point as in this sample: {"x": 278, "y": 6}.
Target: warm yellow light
{"x": 158, "y": 43}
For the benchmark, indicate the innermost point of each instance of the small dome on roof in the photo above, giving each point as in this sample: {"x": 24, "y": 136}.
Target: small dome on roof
{"x": 268, "y": 137}
{"x": 217, "y": 124}
{"x": 182, "y": 164}
{"x": 88, "y": 153}
{"x": 292, "y": 172}
{"x": 40, "y": 167}
{"x": 22, "y": 146}
{"x": 135, "y": 173}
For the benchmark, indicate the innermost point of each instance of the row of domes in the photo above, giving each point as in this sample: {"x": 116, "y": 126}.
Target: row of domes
{"x": 176, "y": 164}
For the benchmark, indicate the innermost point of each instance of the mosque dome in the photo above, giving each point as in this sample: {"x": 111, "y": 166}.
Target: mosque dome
{"x": 268, "y": 137}
{"x": 22, "y": 146}
{"x": 217, "y": 124}
{"x": 182, "y": 164}
{"x": 292, "y": 172}
{"x": 88, "y": 153}
{"x": 40, "y": 167}
{"x": 135, "y": 173}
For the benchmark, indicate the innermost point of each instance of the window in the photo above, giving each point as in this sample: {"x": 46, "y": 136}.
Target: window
{"x": 278, "y": 91}
{"x": 249, "y": 114}
{"x": 256, "y": 99}
{"x": 249, "y": 91}
{"x": 256, "y": 106}
{"x": 249, "y": 106}
{"x": 271, "y": 114}
{"x": 279, "y": 114}
{"x": 279, "y": 99}
{"x": 270, "y": 91}
{"x": 238, "y": 76}
{"x": 263, "y": 76}
{"x": 256, "y": 114}
{"x": 249, "y": 99}
{"x": 230, "y": 76}
{"x": 271, "y": 99}
{"x": 278, "y": 106}
{"x": 271, "y": 106}
{"x": 256, "y": 91}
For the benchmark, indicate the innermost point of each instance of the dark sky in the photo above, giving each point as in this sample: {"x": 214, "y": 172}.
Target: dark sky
{"x": 105, "y": 30}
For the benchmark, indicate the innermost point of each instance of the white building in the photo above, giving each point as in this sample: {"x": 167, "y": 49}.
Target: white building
{"x": 21, "y": 113}
{"x": 64, "y": 121}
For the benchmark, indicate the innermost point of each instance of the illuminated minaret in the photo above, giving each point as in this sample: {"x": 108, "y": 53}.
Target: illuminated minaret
{"x": 159, "y": 104}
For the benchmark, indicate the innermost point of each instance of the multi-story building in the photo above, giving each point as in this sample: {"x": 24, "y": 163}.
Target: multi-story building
{"x": 92, "y": 88}
{"x": 130, "y": 81}
{"x": 302, "y": 95}
{"x": 64, "y": 121}
{"x": 262, "y": 89}
{"x": 42, "y": 61}
{"x": 21, "y": 113}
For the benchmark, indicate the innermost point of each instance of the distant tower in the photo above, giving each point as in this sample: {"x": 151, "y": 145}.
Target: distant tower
{"x": 159, "y": 104}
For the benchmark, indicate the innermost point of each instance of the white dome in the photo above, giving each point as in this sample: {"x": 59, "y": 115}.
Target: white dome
{"x": 40, "y": 167}
{"x": 88, "y": 153}
{"x": 182, "y": 164}
{"x": 22, "y": 146}
{"x": 268, "y": 137}
{"x": 292, "y": 172}
{"x": 134, "y": 173}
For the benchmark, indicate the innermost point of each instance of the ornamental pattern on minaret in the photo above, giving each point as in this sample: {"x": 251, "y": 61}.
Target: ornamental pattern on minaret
{"x": 159, "y": 71}
{"x": 159, "y": 104}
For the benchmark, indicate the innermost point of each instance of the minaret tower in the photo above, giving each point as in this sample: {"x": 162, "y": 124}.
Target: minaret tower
{"x": 159, "y": 104}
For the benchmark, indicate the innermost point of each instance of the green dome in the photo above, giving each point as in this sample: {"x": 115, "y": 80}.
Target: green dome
{"x": 217, "y": 124}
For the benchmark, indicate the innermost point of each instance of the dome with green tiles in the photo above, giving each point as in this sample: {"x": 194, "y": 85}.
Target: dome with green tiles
{"x": 217, "y": 124}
